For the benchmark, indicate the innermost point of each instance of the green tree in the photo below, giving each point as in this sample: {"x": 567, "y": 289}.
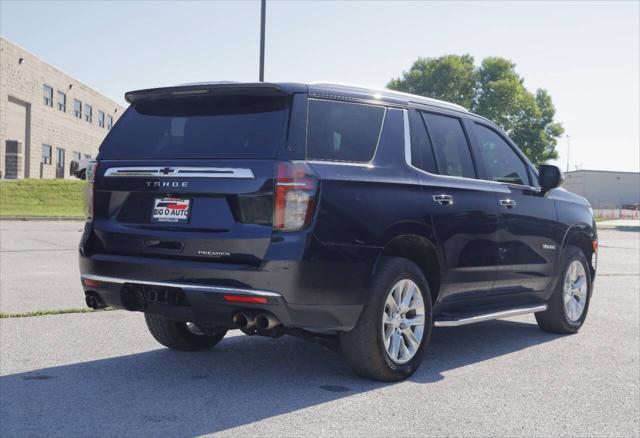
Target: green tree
{"x": 493, "y": 90}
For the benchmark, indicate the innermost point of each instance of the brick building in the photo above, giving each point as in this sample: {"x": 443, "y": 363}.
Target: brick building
{"x": 47, "y": 118}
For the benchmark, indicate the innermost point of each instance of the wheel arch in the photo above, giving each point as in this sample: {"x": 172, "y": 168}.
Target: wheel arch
{"x": 420, "y": 250}
{"x": 583, "y": 237}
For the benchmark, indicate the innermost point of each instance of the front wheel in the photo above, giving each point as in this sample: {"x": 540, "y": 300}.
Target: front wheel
{"x": 569, "y": 303}
{"x": 179, "y": 335}
{"x": 389, "y": 341}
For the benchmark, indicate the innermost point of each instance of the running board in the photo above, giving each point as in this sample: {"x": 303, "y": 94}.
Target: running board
{"x": 489, "y": 316}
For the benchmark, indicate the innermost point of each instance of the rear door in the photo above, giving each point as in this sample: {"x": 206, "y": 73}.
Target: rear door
{"x": 529, "y": 238}
{"x": 463, "y": 209}
{"x": 191, "y": 175}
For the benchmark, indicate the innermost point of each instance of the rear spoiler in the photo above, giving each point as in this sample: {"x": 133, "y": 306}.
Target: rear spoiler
{"x": 215, "y": 89}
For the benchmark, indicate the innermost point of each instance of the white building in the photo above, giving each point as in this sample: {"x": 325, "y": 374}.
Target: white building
{"x": 604, "y": 189}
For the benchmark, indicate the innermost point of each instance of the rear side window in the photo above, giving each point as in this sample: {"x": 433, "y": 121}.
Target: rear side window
{"x": 500, "y": 161}
{"x": 421, "y": 149}
{"x": 450, "y": 145}
{"x": 343, "y": 131}
{"x": 199, "y": 127}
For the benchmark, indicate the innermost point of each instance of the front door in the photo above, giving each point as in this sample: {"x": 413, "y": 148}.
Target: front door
{"x": 529, "y": 237}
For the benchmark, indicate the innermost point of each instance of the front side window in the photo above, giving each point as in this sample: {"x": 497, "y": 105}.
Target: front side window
{"x": 341, "y": 131}
{"x": 47, "y": 95}
{"x": 77, "y": 108}
{"x": 500, "y": 161}
{"x": 62, "y": 101}
{"x": 450, "y": 145}
{"x": 88, "y": 113}
{"x": 46, "y": 154}
{"x": 101, "y": 119}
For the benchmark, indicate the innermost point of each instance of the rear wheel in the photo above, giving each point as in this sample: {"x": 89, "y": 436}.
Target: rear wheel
{"x": 569, "y": 303}
{"x": 389, "y": 341}
{"x": 179, "y": 335}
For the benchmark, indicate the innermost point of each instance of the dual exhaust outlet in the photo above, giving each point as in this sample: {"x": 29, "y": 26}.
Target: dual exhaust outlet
{"x": 261, "y": 321}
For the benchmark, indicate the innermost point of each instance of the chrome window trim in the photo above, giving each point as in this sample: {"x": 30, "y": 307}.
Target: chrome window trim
{"x": 186, "y": 286}
{"x": 408, "y": 157}
{"x": 180, "y": 172}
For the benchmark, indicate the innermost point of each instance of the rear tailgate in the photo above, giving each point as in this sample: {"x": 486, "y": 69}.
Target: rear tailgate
{"x": 228, "y": 216}
{"x": 190, "y": 174}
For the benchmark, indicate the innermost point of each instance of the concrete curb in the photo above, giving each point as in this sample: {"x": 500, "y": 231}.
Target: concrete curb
{"x": 618, "y": 227}
{"x": 41, "y": 218}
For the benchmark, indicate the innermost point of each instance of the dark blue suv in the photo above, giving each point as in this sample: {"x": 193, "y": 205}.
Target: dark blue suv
{"x": 353, "y": 217}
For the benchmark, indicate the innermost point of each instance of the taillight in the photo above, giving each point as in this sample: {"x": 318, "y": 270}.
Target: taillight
{"x": 296, "y": 195}
{"x": 89, "y": 197}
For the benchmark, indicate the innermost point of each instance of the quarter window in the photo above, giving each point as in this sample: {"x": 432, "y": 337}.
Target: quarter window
{"x": 46, "y": 154}
{"x": 500, "y": 160}
{"x": 62, "y": 101}
{"x": 421, "y": 149}
{"x": 47, "y": 95}
{"x": 450, "y": 145}
{"x": 77, "y": 108}
{"x": 88, "y": 113}
{"x": 341, "y": 131}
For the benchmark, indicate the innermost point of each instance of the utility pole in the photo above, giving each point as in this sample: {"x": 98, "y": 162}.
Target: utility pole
{"x": 568, "y": 150}
{"x": 263, "y": 7}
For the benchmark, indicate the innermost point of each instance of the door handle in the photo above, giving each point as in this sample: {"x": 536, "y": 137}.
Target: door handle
{"x": 443, "y": 199}
{"x": 508, "y": 203}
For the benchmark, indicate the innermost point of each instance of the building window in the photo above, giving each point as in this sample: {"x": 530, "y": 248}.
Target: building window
{"x": 88, "y": 113}
{"x": 101, "y": 119}
{"x": 87, "y": 155}
{"x": 59, "y": 163}
{"x": 47, "y": 95}
{"x": 62, "y": 101}
{"x": 46, "y": 154}
{"x": 77, "y": 156}
{"x": 109, "y": 122}
{"x": 77, "y": 108}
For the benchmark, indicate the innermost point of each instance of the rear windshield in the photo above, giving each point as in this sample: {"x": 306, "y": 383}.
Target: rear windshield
{"x": 342, "y": 131}
{"x": 199, "y": 127}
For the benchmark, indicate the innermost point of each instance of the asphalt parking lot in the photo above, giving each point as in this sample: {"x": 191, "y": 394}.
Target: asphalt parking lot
{"x": 101, "y": 374}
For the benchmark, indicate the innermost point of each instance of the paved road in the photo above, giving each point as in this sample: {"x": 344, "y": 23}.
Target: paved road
{"x": 39, "y": 265}
{"x": 102, "y": 374}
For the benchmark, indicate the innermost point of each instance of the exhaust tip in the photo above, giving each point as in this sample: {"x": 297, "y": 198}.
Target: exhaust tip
{"x": 265, "y": 321}
{"x": 243, "y": 320}
{"x": 94, "y": 301}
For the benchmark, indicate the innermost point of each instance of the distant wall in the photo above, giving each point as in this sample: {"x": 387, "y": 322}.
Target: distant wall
{"x": 605, "y": 189}
{"x": 25, "y": 117}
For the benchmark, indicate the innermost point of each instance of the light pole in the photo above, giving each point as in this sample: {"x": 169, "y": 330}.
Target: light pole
{"x": 263, "y": 7}
{"x": 568, "y": 150}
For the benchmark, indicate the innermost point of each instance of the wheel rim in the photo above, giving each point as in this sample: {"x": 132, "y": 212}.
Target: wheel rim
{"x": 575, "y": 291}
{"x": 403, "y": 321}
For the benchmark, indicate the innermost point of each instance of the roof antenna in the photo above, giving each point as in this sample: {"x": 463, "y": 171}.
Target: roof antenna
{"x": 263, "y": 7}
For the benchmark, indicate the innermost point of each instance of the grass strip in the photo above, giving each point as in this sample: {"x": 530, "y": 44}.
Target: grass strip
{"x": 39, "y": 197}
{"x": 50, "y": 312}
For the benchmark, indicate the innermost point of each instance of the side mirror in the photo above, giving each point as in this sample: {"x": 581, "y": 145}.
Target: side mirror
{"x": 550, "y": 177}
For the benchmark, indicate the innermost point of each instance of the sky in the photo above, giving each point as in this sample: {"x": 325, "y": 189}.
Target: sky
{"x": 586, "y": 54}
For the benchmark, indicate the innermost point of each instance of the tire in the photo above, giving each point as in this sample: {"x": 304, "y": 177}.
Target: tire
{"x": 557, "y": 318}
{"x": 178, "y": 336}
{"x": 364, "y": 346}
